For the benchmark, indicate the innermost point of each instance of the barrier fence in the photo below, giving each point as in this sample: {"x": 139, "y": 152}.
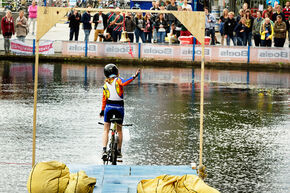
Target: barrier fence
{"x": 167, "y": 52}
{"x": 177, "y": 52}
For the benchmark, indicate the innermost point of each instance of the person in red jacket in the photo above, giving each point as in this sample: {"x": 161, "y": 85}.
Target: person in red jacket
{"x": 7, "y": 26}
{"x": 269, "y": 10}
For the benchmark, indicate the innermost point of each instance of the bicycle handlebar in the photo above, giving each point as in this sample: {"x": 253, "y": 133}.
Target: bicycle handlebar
{"x": 126, "y": 125}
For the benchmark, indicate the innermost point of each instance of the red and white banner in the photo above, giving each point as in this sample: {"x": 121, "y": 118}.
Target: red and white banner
{"x": 21, "y": 48}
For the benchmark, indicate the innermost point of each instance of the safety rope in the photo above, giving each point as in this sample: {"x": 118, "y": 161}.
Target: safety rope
{"x": 11, "y": 163}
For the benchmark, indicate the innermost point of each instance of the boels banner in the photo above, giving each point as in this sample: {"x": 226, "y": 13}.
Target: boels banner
{"x": 21, "y": 48}
{"x": 178, "y": 52}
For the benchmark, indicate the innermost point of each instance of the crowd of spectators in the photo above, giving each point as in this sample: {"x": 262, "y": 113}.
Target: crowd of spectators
{"x": 270, "y": 25}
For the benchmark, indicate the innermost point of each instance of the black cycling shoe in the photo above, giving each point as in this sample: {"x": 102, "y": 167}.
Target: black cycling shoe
{"x": 105, "y": 156}
{"x": 119, "y": 154}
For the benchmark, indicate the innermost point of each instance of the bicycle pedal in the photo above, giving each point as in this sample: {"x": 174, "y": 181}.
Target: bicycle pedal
{"x": 119, "y": 160}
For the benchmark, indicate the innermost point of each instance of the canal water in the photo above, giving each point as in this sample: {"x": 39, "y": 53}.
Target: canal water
{"x": 246, "y": 122}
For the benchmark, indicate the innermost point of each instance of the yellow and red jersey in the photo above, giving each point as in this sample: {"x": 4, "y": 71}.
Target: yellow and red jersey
{"x": 113, "y": 91}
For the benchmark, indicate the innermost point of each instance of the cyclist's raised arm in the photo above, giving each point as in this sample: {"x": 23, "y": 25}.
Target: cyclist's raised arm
{"x": 123, "y": 82}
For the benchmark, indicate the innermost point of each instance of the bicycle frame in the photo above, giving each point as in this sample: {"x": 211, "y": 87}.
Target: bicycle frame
{"x": 112, "y": 153}
{"x": 113, "y": 145}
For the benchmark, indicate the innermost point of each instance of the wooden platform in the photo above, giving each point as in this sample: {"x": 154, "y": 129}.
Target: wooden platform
{"x": 124, "y": 179}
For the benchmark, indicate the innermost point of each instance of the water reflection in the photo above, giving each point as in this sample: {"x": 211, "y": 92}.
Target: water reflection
{"x": 246, "y": 122}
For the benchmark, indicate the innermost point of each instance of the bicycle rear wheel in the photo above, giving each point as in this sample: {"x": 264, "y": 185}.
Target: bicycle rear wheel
{"x": 114, "y": 154}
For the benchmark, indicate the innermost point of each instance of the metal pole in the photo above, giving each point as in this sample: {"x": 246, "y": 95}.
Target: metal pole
{"x": 33, "y": 48}
{"x": 193, "y": 49}
{"x": 139, "y": 50}
{"x": 86, "y": 48}
{"x": 248, "y": 61}
{"x": 35, "y": 101}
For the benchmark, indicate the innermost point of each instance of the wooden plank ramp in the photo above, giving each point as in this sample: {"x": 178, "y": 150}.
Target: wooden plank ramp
{"x": 123, "y": 178}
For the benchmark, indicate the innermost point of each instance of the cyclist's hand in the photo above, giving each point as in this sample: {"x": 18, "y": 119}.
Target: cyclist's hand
{"x": 137, "y": 73}
{"x": 102, "y": 113}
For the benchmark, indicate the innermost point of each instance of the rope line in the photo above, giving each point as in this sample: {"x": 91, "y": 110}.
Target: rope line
{"x": 11, "y": 163}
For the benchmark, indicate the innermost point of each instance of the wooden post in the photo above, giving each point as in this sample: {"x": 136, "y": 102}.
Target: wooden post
{"x": 35, "y": 100}
{"x": 201, "y": 106}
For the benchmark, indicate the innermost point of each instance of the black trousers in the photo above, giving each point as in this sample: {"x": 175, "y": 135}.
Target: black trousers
{"x": 74, "y": 31}
{"x": 131, "y": 37}
{"x": 116, "y": 35}
{"x": 257, "y": 39}
{"x": 279, "y": 42}
{"x": 211, "y": 33}
{"x": 266, "y": 43}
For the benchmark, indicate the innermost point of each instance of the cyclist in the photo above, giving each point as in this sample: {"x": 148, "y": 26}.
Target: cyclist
{"x": 113, "y": 104}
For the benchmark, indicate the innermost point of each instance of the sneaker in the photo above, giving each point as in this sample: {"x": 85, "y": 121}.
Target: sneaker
{"x": 104, "y": 156}
{"x": 119, "y": 154}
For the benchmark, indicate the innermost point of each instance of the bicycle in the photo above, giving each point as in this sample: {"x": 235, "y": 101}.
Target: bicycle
{"x": 113, "y": 152}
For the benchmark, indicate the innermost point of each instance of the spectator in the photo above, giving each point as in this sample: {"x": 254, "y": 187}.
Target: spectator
{"x": 110, "y": 27}
{"x": 186, "y": 6}
{"x": 117, "y": 22}
{"x": 266, "y": 32}
{"x": 256, "y": 29}
{"x": 167, "y": 3}
{"x": 180, "y": 3}
{"x": 172, "y": 35}
{"x": 279, "y": 32}
{"x": 100, "y": 21}
{"x": 288, "y": 22}
{"x": 130, "y": 26}
{"x": 267, "y": 16}
{"x": 87, "y": 23}
{"x": 222, "y": 20}
{"x": 240, "y": 31}
{"x": 269, "y": 10}
{"x": 32, "y": 10}
{"x": 148, "y": 28}
{"x": 278, "y": 12}
{"x": 286, "y": 12}
{"x": 229, "y": 27}
{"x": 21, "y": 26}
{"x": 245, "y": 6}
{"x": 209, "y": 25}
{"x": 171, "y": 7}
{"x": 7, "y": 26}
{"x": 273, "y": 2}
{"x": 161, "y": 25}
{"x": 155, "y": 6}
{"x": 249, "y": 26}
{"x": 74, "y": 24}
{"x": 140, "y": 25}
{"x": 241, "y": 14}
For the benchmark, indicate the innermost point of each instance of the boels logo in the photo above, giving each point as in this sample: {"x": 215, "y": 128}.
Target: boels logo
{"x": 198, "y": 52}
{"x": 118, "y": 49}
{"x": 273, "y": 54}
{"x": 165, "y": 51}
{"x": 233, "y": 53}
{"x": 72, "y": 47}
